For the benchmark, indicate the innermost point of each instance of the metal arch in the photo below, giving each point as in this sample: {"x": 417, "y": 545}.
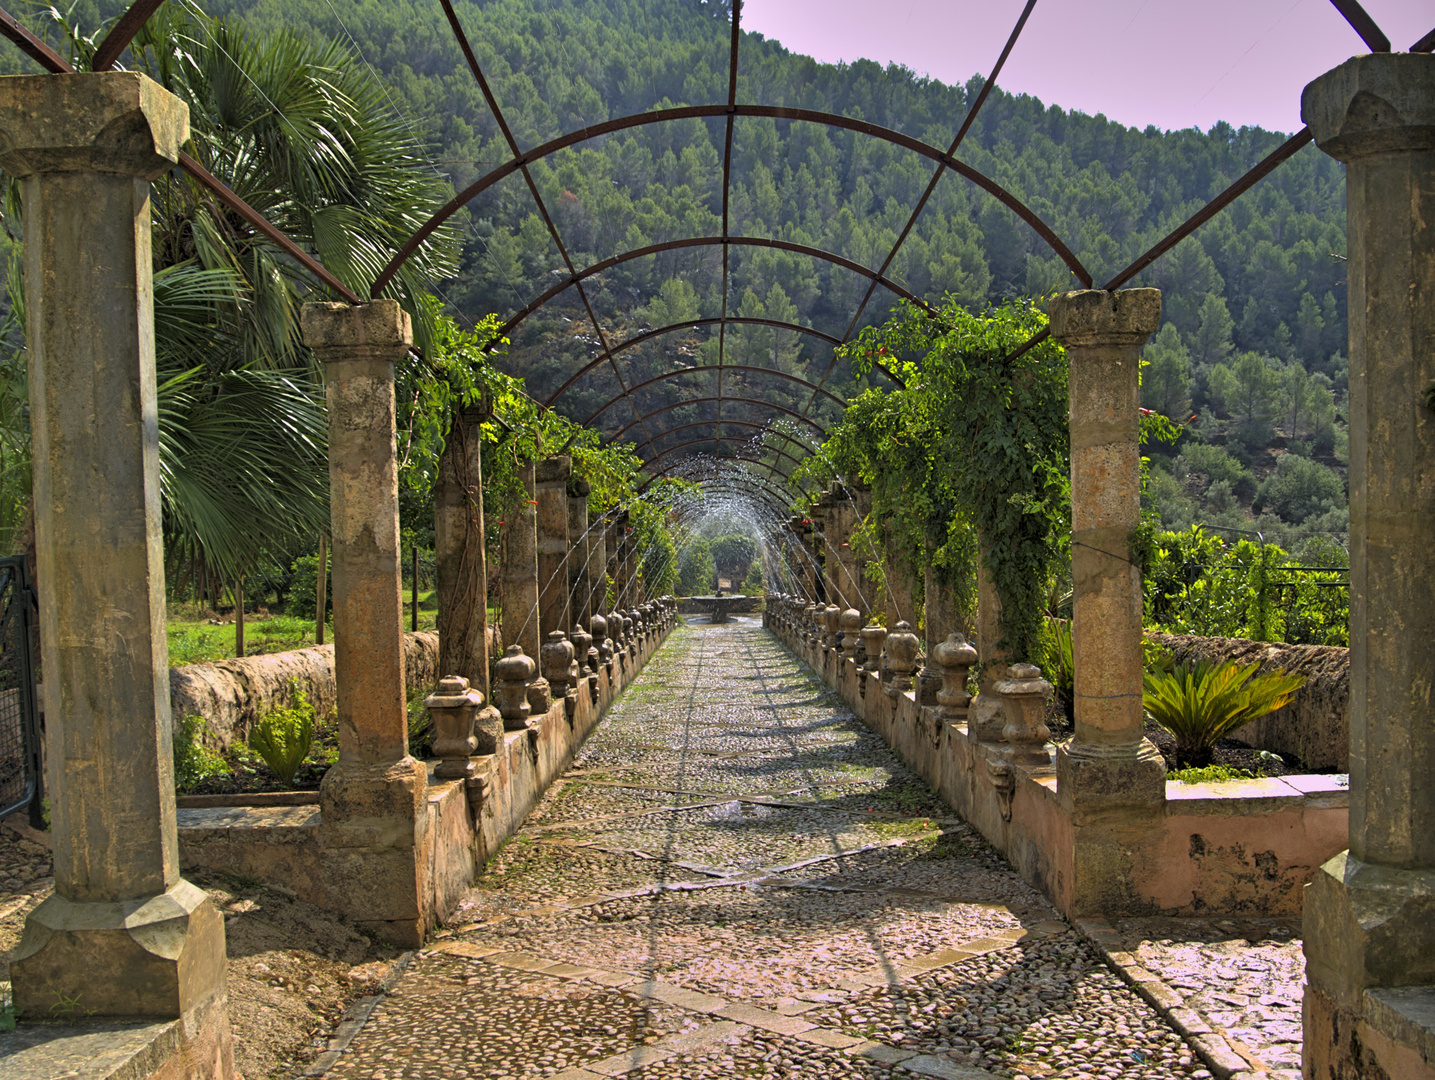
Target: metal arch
{"x": 769, "y": 112}
{"x": 473, "y": 65}
{"x": 937, "y": 174}
{"x": 707, "y": 439}
{"x": 740, "y": 423}
{"x": 768, "y": 484}
{"x": 122, "y": 33}
{"x": 707, "y": 369}
{"x": 672, "y": 328}
{"x": 705, "y": 241}
{"x": 746, "y": 401}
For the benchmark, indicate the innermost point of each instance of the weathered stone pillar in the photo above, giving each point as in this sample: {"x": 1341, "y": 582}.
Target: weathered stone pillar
{"x": 374, "y": 821}
{"x": 123, "y": 934}
{"x": 551, "y": 490}
{"x": 1110, "y": 778}
{"x": 519, "y": 538}
{"x": 579, "y": 590}
{"x": 597, "y": 573}
{"x": 1108, "y": 760}
{"x": 459, "y": 551}
{"x": 986, "y": 718}
{"x": 1370, "y": 912}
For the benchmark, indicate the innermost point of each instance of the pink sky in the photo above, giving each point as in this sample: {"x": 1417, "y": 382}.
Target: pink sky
{"x": 1172, "y": 63}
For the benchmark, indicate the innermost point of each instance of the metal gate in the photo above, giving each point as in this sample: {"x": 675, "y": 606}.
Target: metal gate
{"x": 20, "y": 769}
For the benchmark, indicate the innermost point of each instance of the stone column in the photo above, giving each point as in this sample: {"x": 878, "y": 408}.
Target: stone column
{"x": 123, "y": 934}
{"x": 986, "y": 719}
{"x": 459, "y": 551}
{"x": 579, "y": 590}
{"x": 1370, "y": 912}
{"x": 520, "y": 570}
{"x": 597, "y": 572}
{"x": 551, "y": 490}
{"x": 374, "y": 821}
{"x": 1108, "y": 760}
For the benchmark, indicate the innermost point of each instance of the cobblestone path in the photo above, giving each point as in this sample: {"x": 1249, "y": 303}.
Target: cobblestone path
{"x": 736, "y": 878}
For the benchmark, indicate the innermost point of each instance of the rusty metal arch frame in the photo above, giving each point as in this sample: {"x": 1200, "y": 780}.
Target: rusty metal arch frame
{"x": 742, "y": 424}
{"x": 133, "y": 19}
{"x": 767, "y": 484}
{"x": 703, "y": 442}
{"x": 706, "y": 369}
{"x": 673, "y": 328}
{"x": 799, "y": 417}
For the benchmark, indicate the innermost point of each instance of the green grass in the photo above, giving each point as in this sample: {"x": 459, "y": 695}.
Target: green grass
{"x": 194, "y": 639}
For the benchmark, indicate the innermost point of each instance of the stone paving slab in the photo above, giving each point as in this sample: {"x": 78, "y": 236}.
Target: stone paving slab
{"x": 737, "y": 878}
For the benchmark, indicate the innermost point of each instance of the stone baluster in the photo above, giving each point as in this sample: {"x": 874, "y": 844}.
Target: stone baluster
{"x": 559, "y": 666}
{"x": 900, "y": 648}
{"x": 850, "y": 622}
{"x": 955, "y": 657}
{"x": 453, "y": 708}
{"x": 602, "y": 649}
{"x": 831, "y": 624}
{"x": 510, "y": 687}
{"x": 872, "y": 638}
{"x": 1024, "y": 696}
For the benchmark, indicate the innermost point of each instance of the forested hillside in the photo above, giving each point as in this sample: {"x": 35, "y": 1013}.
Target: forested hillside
{"x": 1254, "y": 332}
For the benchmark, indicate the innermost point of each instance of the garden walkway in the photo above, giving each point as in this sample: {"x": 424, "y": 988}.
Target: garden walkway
{"x": 737, "y": 878}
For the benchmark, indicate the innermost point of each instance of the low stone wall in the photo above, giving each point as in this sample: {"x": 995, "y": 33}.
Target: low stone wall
{"x": 1315, "y": 726}
{"x": 232, "y": 694}
{"x": 1235, "y": 848}
{"x": 463, "y": 823}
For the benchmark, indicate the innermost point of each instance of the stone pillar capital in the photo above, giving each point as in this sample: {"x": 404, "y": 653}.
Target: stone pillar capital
{"x": 1373, "y": 104}
{"x": 104, "y": 121}
{"x": 378, "y": 330}
{"x": 1095, "y": 317}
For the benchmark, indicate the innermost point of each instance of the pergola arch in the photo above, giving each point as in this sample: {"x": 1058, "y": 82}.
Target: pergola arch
{"x": 715, "y": 370}
{"x": 731, "y": 111}
{"x": 704, "y": 441}
{"x": 714, "y": 320}
{"x": 799, "y": 417}
{"x": 734, "y": 423}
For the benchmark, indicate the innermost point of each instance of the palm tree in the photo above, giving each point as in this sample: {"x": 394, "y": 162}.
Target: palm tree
{"x": 304, "y": 134}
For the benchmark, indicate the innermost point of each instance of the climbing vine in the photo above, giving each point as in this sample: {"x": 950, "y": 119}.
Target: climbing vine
{"x": 975, "y": 445}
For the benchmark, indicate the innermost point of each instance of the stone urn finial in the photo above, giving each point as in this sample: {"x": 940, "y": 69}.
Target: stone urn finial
{"x": 901, "y": 647}
{"x": 510, "y": 687}
{"x": 872, "y": 638}
{"x": 954, "y": 656}
{"x": 850, "y": 622}
{"x": 1024, "y": 695}
{"x": 583, "y": 651}
{"x": 559, "y": 667}
{"x": 598, "y": 627}
{"x": 453, "y": 706}
{"x": 832, "y": 623}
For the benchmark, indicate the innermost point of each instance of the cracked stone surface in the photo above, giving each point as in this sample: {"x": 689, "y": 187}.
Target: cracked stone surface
{"x": 738, "y": 878}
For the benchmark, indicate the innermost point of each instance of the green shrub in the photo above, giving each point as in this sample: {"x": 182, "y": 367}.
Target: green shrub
{"x": 1200, "y": 704}
{"x": 282, "y": 737}
{"x": 304, "y": 592}
{"x": 193, "y": 761}
{"x": 1211, "y": 774}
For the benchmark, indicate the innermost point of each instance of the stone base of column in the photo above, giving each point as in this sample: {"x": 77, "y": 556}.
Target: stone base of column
{"x": 157, "y": 957}
{"x": 1096, "y": 778}
{"x": 1369, "y": 935}
{"x": 374, "y": 840}
{"x": 1115, "y": 802}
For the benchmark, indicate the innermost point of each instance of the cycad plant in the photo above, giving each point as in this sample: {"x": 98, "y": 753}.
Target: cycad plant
{"x": 283, "y": 737}
{"x": 1201, "y": 703}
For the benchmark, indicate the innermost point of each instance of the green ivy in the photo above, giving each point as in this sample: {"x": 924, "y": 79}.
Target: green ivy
{"x": 976, "y": 445}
